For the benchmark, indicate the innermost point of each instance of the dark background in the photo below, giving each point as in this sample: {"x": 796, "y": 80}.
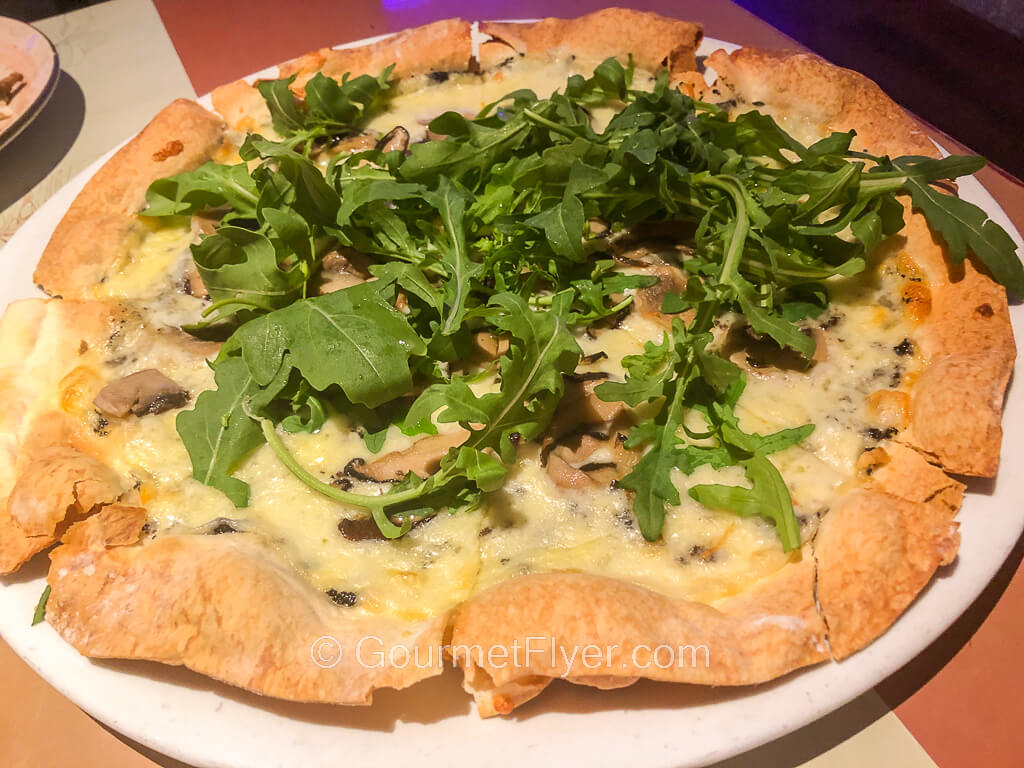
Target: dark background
{"x": 953, "y": 67}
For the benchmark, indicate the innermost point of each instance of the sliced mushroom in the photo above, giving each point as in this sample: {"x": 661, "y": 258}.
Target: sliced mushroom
{"x": 422, "y": 457}
{"x": 10, "y": 85}
{"x": 574, "y": 463}
{"x": 365, "y": 529}
{"x": 358, "y": 143}
{"x": 566, "y": 475}
{"x": 343, "y": 268}
{"x": 397, "y": 139}
{"x": 491, "y": 346}
{"x": 670, "y": 280}
{"x": 646, "y": 244}
{"x": 193, "y": 283}
{"x": 580, "y": 406}
{"x": 754, "y": 352}
{"x": 140, "y": 393}
{"x": 205, "y": 222}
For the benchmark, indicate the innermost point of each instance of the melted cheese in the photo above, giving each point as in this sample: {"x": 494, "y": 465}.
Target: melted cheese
{"x": 153, "y": 274}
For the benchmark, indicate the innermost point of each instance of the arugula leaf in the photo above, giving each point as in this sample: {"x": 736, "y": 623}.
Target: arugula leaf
{"x": 352, "y": 338}
{"x": 285, "y": 114}
{"x": 647, "y": 375}
{"x": 218, "y": 433}
{"x": 541, "y": 350}
{"x": 330, "y": 108}
{"x": 563, "y": 225}
{"x": 39, "y": 616}
{"x": 348, "y": 103}
{"x": 767, "y": 497}
{"x": 450, "y": 201}
{"x": 209, "y": 186}
{"x": 964, "y": 226}
{"x": 241, "y": 270}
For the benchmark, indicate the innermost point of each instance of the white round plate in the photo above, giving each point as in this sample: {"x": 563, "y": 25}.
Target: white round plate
{"x": 202, "y": 722}
{"x": 25, "y": 49}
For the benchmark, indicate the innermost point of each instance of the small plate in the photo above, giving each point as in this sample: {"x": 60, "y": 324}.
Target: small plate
{"x": 26, "y": 50}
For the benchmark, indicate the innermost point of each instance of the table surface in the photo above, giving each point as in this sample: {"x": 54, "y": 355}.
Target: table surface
{"x": 956, "y": 704}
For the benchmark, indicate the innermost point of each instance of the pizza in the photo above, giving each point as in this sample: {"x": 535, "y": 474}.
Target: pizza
{"x": 543, "y": 349}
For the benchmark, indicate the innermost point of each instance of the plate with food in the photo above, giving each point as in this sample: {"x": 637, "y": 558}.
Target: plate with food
{"x": 563, "y": 362}
{"x": 29, "y": 71}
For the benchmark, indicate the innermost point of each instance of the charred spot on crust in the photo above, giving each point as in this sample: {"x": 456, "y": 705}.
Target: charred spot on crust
{"x": 985, "y": 310}
{"x": 341, "y": 597}
{"x": 905, "y": 347}
{"x": 171, "y": 149}
{"x": 439, "y": 77}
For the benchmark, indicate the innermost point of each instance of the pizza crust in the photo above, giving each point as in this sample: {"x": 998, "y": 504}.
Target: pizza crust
{"x": 224, "y": 607}
{"x": 100, "y": 224}
{"x": 767, "y": 631}
{"x": 875, "y": 552}
{"x": 654, "y": 41}
{"x": 51, "y": 474}
{"x": 881, "y": 545}
{"x": 444, "y": 46}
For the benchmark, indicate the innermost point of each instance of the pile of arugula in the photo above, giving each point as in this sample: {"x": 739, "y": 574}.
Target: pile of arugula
{"x": 489, "y": 228}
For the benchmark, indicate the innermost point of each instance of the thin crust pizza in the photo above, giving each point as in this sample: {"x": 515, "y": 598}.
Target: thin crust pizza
{"x": 542, "y": 349}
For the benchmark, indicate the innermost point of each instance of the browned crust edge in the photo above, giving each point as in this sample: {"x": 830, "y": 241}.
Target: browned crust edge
{"x": 222, "y": 606}
{"x": 655, "y": 41}
{"x": 50, "y": 475}
{"x": 445, "y": 45}
{"x": 632, "y": 632}
{"x": 92, "y": 235}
